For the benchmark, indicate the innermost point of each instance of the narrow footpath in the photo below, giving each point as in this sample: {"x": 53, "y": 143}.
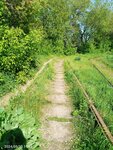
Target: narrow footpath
{"x": 57, "y": 126}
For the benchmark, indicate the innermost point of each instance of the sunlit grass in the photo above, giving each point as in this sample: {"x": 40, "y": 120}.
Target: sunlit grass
{"x": 96, "y": 86}
{"x": 9, "y": 83}
{"x": 88, "y": 134}
{"x": 35, "y": 96}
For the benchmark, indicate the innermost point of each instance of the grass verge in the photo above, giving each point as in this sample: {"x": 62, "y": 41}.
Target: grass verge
{"x": 23, "y": 115}
{"x": 89, "y": 136}
{"x": 96, "y": 86}
{"x": 9, "y": 82}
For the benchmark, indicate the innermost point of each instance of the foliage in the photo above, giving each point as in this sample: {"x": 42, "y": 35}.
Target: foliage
{"x": 2, "y": 79}
{"x": 34, "y": 40}
{"x": 19, "y": 40}
{"x": 13, "y": 50}
{"x": 70, "y": 51}
{"x": 18, "y": 129}
{"x": 7, "y": 83}
{"x": 19, "y": 122}
{"x": 89, "y": 135}
{"x": 61, "y": 26}
{"x": 96, "y": 86}
{"x": 97, "y": 27}
{"x": 18, "y": 13}
{"x": 29, "y": 28}
{"x": 56, "y": 24}
{"x": 18, "y": 50}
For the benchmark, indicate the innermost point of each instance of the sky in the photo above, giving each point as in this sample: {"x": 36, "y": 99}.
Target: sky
{"x": 103, "y": 1}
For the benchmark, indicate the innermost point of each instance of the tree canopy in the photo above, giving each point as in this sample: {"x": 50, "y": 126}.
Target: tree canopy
{"x": 30, "y": 27}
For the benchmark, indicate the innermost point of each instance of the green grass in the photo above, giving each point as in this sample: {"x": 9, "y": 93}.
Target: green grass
{"x": 60, "y": 119}
{"x": 90, "y": 136}
{"x": 36, "y": 94}
{"x": 31, "y": 102}
{"x": 8, "y": 82}
{"x": 108, "y": 60}
{"x": 96, "y": 86}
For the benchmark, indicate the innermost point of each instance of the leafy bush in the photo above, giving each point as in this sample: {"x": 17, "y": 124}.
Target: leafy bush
{"x": 2, "y": 79}
{"x": 105, "y": 45}
{"x": 70, "y": 51}
{"x": 92, "y": 47}
{"x": 34, "y": 39}
{"x": 2, "y": 5}
{"x": 100, "y": 47}
{"x": 18, "y": 129}
{"x": 21, "y": 77}
{"x": 58, "y": 47}
{"x": 17, "y": 51}
{"x": 13, "y": 50}
{"x": 46, "y": 47}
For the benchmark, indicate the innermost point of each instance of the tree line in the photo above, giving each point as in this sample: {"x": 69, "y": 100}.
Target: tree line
{"x": 35, "y": 27}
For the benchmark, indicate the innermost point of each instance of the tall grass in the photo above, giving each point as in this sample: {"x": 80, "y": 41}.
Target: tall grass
{"x": 24, "y": 112}
{"x": 9, "y": 82}
{"x": 108, "y": 60}
{"x": 97, "y": 87}
{"x": 89, "y": 135}
{"x": 36, "y": 94}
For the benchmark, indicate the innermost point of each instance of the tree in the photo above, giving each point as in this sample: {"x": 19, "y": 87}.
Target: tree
{"x": 95, "y": 26}
{"x": 55, "y": 17}
{"x": 78, "y": 13}
{"x": 18, "y": 13}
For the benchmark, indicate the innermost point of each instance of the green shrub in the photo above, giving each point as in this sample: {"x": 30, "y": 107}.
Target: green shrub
{"x": 46, "y": 47}
{"x": 18, "y": 128}
{"x": 34, "y": 39}
{"x": 13, "y": 51}
{"x": 21, "y": 77}
{"x": 2, "y": 79}
{"x": 105, "y": 45}
{"x": 18, "y": 51}
{"x": 58, "y": 47}
{"x": 70, "y": 51}
{"x": 92, "y": 47}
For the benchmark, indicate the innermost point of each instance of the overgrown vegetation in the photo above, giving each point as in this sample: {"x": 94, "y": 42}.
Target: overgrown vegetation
{"x": 31, "y": 30}
{"x": 10, "y": 82}
{"x": 35, "y": 96}
{"x": 89, "y": 134}
{"x": 20, "y": 122}
{"x": 97, "y": 87}
{"x": 16, "y": 131}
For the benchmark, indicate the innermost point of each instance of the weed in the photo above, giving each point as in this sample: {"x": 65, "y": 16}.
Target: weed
{"x": 89, "y": 134}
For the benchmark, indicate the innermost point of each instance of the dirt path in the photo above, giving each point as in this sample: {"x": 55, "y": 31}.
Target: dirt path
{"x": 5, "y": 99}
{"x": 57, "y": 126}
